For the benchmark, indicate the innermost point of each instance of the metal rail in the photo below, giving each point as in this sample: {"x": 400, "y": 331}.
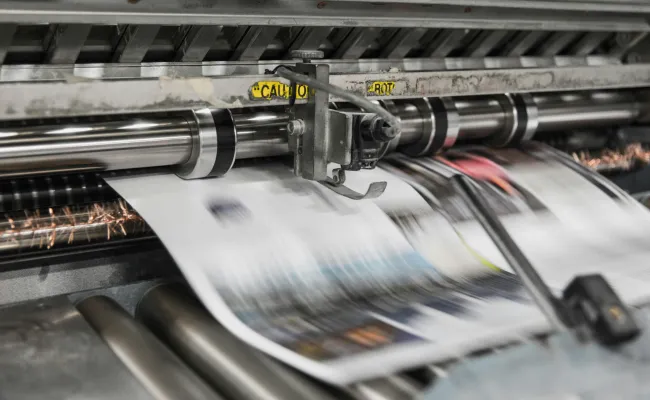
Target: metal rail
{"x": 235, "y": 368}
{"x": 309, "y": 13}
{"x": 159, "y": 370}
{"x": 45, "y": 99}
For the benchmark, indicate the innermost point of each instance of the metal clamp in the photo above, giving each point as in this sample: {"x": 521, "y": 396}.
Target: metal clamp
{"x": 214, "y": 145}
{"x": 335, "y": 183}
{"x": 527, "y": 109}
{"x": 447, "y": 123}
{"x": 512, "y": 121}
{"x": 427, "y": 118}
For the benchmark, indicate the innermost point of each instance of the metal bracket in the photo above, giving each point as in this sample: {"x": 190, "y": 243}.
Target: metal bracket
{"x": 319, "y": 136}
{"x": 335, "y": 183}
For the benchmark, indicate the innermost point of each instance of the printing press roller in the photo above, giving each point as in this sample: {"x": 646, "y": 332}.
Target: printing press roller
{"x": 207, "y": 142}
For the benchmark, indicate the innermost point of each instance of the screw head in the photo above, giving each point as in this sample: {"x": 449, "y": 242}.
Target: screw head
{"x": 296, "y": 127}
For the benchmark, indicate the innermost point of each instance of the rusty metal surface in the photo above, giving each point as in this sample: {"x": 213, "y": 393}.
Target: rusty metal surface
{"x": 93, "y": 97}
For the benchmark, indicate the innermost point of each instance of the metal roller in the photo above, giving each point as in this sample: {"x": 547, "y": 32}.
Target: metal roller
{"x": 53, "y": 191}
{"x": 230, "y": 365}
{"x": 71, "y": 225}
{"x": 390, "y": 388}
{"x": 95, "y": 145}
{"x": 582, "y": 111}
{"x": 206, "y": 142}
{"x": 153, "y": 364}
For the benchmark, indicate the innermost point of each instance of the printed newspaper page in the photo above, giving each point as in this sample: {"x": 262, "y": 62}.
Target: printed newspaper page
{"x": 342, "y": 290}
{"x": 568, "y": 224}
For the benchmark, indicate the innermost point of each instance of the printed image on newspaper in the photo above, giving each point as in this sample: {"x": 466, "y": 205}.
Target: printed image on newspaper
{"x": 342, "y": 290}
{"x": 570, "y": 221}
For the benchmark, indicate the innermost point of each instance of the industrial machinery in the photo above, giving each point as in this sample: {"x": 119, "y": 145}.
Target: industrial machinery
{"x": 95, "y": 87}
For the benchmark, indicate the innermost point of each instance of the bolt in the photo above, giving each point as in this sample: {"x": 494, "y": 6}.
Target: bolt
{"x": 296, "y": 127}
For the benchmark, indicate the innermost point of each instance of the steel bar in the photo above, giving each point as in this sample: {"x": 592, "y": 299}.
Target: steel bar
{"x": 134, "y": 43}
{"x": 546, "y": 301}
{"x": 153, "y": 364}
{"x": 402, "y": 42}
{"x": 134, "y": 143}
{"x": 479, "y": 117}
{"x": 522, "y": 42}
{"x": 391, "y": 388}
{"x": 356, "y": 43}
{"x": 309, "y": 13}
{"x": 231, "y": 366}
{"x": 7, "y": 32}
{"x": 40, "y": 193}
{"x": 27, "y": 100}
{"x": 310, "y": 38}
{"x": 567, "y": 112}
{"x": 151, "y": 141}
{"x": 261, "y": 134}
{"x": 254, "y": 42}
{"x": 213, "y": 69}
{"x": 197, "y": 42}
{"x": 65, "y": 42}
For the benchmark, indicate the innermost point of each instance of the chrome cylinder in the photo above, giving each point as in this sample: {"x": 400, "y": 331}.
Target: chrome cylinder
{"x": 584, "y": 111}
{"x": 154, "y": 365}
{"x": 480, "y": 117}
{"x": 261, "y": 134}
{"x": 230, "y": 365}
{"x": 95, "y": 146}
{"x": 206, "y": 142}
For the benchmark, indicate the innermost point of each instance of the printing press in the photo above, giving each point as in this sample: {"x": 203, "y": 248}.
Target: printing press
{"x": 93, "y": 305}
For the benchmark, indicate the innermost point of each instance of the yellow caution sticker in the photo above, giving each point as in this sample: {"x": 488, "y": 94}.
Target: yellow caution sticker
{"x": 380, "y": 88}
{"x": 273, "y": 90}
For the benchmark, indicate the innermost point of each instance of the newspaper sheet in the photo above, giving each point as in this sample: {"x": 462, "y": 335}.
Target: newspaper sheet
{"x": 567, "y": 221}
{"x": 342, "y": 290}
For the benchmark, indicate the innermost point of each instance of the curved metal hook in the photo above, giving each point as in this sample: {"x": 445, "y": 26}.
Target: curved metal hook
{"x": 335, "y": 184}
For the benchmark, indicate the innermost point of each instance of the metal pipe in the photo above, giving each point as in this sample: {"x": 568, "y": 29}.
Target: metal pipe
{"x": 413, "y": 121}
{"x": 230, "y": 365}
{"x": 570, "y": 112}
{"x": 53, "y": 191}
{"x": 479, "y": 117}
{"x": 261, "y": 134}
{"x": 390, "y": 388}
{"x": 154, "y": 365}
{"x": 153, "y": 141}
{"x": 87, "y": 146}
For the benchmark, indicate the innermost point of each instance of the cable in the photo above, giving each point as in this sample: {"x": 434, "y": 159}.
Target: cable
{"x": 391, "y": 131}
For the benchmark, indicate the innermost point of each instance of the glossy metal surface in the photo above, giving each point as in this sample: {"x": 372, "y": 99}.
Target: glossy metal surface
{"x": 94, "y": 146}
{"x": 390, "y": 388}
{"x": 47, "y": 350}
{"x": 479, "y": 117}
{"x": 230, "y": 365}
{"x": 162, "y": 141}
{"x": 261, "y": 134}
{"x": 153, "y": 364}
{"x": 567, "y": 112}
{"x": 204, "y": 147}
